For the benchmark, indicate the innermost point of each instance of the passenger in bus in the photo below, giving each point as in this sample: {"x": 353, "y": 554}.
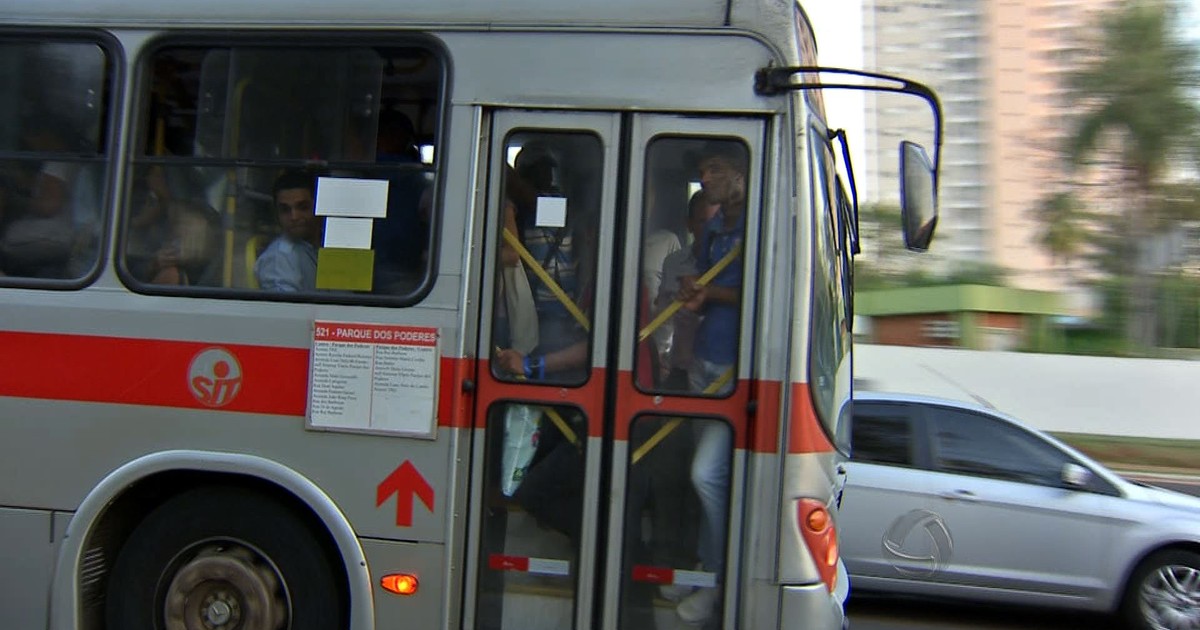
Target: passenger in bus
{"x": 551, "y": 489}
{"x": 3, "y": 216}
{"x": 680, "y": 264}
{"x": 289, "y": 263}
{"x": 561, "y": 354}
{"x": 173, "y": 241}
{"x": 722, "y": 169}
{"x": 659, "y": 241}
{"x": 40, "y": 236}
{"x": 401, "y": 239}
{"x": 149, "y": 228}
{"x": 516, "y": 321}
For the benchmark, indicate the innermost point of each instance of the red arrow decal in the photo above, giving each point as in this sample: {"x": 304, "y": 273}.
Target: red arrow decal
{"x": 404, "y": 482}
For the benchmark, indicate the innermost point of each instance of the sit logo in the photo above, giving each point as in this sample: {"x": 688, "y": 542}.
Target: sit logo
{"x": 215, "y": 377}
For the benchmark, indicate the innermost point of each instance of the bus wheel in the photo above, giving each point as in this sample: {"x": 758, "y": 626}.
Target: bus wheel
{"x": 1164, "y": 593}
{"x": 223, "y": 559}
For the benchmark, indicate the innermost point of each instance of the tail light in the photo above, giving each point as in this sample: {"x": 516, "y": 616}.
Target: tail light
{"x": 816, "y": 526}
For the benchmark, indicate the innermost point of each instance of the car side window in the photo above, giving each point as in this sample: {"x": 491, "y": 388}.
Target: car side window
{"x": 881, "y": 435}
{"x": 975, "y": 444}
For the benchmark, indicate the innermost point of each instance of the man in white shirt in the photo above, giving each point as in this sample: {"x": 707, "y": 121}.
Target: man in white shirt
{"x": 677, "y": 265}
{"x": 290, "y": 262}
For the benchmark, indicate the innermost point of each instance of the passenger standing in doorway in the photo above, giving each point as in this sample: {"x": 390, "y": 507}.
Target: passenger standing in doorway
{"x": 722, "y": 168}
{"x": 562, "y": 350}
{"x": 290, "y": 262}
{"x": 678, "y": 358}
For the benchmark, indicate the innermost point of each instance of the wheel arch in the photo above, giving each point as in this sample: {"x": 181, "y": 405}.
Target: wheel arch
{"x": 1131, "y": 568}
{"x": 125, "y": 496}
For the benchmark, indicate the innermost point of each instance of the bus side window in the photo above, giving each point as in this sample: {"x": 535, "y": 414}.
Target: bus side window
{"x": 53, "y": 122}
{"x": 550, "y": 195}
{"x": 692, "y": 278}
{"x": 226, "y": 124}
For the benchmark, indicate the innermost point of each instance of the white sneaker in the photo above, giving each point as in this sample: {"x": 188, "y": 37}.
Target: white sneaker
{"x": 675, "y": 592}
{"x": 698, "y": 606}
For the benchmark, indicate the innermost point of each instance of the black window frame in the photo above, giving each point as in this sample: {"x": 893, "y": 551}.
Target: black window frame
{"x": 134, "y": 157}
{"x": 105, "y": 156}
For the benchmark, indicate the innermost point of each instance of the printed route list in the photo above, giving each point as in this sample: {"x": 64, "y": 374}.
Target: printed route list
{"x": 374, "y": 377}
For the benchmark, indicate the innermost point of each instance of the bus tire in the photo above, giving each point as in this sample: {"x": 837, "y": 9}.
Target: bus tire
{"x": 224, "y": 558}
{"x": 1162, "y": 591}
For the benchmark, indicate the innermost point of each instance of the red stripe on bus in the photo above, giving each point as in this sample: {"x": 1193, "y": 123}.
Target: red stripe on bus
{"x": 157, "y": 372}
{"x": 455, "y": 404}
{"x": 261, "y": 379}
{"x": 653, "y": 575}
{"x": 589, "y": 397}
{"x": 498, "y": 562}
{"x": 765, "y": 426}
{"x": 274, "y": 380}
{"x": 805, "y": 434}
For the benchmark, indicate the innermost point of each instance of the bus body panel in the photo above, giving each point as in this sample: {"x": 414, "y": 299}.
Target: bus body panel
{"x": 368, "y": 13}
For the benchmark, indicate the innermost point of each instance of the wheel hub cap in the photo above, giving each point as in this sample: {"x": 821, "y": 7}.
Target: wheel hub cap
{"x": 225, "y": 587}
{"x": 1171, "y": 598}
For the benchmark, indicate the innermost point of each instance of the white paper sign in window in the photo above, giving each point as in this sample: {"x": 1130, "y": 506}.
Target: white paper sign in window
{"x": 351, "y": 197}
{"x": 551, "y": 212}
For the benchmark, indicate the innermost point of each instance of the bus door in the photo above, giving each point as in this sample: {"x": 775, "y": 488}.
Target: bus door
{"x": 614, "y": 360}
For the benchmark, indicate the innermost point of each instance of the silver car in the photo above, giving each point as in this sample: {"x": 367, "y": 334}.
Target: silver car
{"x": 948, "y": 499}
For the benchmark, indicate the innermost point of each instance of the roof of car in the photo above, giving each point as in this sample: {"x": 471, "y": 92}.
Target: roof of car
{"x": 924, "y": 399}
{"x": 874, "y": 396}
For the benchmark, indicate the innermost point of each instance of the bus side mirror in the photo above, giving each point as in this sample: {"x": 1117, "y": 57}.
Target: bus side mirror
{"x": 918, "y": 196}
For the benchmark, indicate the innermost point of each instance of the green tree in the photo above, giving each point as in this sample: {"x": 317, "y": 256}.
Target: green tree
{"x": 1063, "y": 230}
{"x": 880, "y": 263}
{"x": 1138, "y": 93}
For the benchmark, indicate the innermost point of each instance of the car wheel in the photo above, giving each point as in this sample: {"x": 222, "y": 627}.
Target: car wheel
{"x": 1164, "y": 592}
{"x": 224, "y": 558}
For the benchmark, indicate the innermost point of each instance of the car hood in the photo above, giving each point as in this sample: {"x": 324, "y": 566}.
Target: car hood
{"x": 1162, "y": 496}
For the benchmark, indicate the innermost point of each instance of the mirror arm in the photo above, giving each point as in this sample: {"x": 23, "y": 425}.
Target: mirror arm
{"x": 775, "y": 80}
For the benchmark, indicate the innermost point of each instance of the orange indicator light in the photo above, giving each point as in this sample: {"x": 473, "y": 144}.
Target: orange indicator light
{"x": 399, "y": 583}
{"x": 818, "y": 520}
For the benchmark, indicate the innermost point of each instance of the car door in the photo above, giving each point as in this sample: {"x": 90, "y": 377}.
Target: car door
{"x": 884, "y": 494}
{"x": 1012, "y": 523}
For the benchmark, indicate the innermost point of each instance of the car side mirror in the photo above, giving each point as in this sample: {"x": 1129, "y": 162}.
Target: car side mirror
{"x": 1075, "y": 476}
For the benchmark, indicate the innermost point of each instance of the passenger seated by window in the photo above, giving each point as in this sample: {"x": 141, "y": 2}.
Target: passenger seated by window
{"x": 39, "y": 237}
{"x": 171, "y": 241}
{"x": 190, "y": 256}
{"x": 149, "y": 227}
{"x": 289, "y": 263}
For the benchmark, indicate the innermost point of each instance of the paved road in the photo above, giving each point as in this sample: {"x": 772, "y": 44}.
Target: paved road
{"x": 899, "y": 614}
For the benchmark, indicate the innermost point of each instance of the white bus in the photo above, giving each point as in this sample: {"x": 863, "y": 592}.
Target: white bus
{"x": 427, "y": 314}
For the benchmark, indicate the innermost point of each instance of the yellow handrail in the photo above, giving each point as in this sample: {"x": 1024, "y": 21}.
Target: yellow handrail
{"x": 700, "y": 282}
{"x": 667, "y": 428}
{"x": 536, "y": 267}
{"x": 231, "y": 175}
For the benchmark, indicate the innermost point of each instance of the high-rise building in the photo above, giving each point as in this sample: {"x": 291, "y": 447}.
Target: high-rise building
{"x": 1000, "y": 69}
